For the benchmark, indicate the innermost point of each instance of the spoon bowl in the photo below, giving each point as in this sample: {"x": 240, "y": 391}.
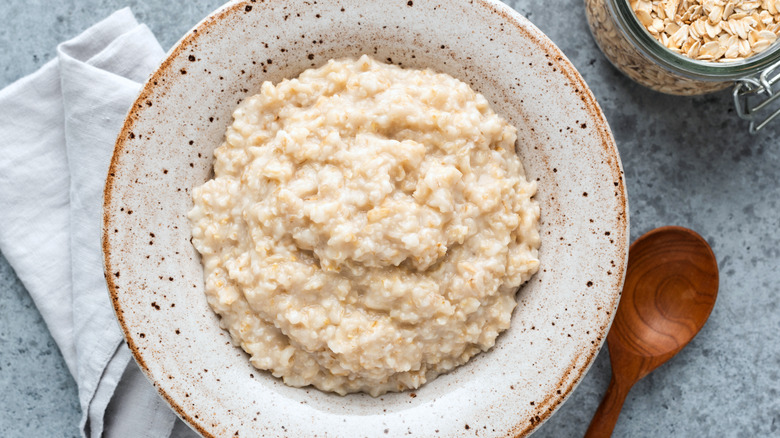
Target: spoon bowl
{"x": 670, "y": 290}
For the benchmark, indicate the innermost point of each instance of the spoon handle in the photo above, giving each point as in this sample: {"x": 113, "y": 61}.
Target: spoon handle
{"x": 607, "y": 414}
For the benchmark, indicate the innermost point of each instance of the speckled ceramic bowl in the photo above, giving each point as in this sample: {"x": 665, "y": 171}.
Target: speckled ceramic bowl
{"x": 165, "y": 149}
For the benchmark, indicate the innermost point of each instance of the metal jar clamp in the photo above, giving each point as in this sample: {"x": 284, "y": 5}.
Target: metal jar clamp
{"x": 751, "y": 88}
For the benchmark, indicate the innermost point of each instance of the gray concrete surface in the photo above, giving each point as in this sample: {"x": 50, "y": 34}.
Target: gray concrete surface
{"x": 688, "y": 162}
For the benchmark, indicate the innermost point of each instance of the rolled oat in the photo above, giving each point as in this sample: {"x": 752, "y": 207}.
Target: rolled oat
{"x": 711, "y": 30}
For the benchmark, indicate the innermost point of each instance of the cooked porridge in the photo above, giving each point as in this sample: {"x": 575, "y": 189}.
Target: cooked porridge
{"x": 367, "y": 227}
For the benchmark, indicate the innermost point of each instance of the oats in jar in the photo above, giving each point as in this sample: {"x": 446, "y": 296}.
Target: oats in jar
{"x": 367, "y": 227}
{"x": 711, "y": 30}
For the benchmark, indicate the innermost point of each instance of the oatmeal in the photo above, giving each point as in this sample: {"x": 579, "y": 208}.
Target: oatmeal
{"x": 367, "y": 227}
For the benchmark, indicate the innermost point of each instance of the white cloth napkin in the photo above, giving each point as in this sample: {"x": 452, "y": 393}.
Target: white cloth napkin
{"x": 57, "y": 135}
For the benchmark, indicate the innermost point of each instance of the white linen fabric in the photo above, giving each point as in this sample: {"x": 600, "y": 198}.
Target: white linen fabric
{"x": 56, "y": 139}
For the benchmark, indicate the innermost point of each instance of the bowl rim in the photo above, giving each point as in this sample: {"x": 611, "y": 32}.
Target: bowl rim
{"x": 544, "y": 408}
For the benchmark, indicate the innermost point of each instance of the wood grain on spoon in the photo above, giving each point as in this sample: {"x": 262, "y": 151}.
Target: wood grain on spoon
{"x": 670, "y": 290}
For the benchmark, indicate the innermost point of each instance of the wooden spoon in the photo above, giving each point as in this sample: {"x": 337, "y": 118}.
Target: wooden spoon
{"x": 670, "y": 290}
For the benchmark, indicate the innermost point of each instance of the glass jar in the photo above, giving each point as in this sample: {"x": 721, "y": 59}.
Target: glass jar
{"x": 632, "y": 50}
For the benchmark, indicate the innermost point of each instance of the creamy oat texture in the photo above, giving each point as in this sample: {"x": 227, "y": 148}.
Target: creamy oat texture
{"x": 367, "y": 227}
